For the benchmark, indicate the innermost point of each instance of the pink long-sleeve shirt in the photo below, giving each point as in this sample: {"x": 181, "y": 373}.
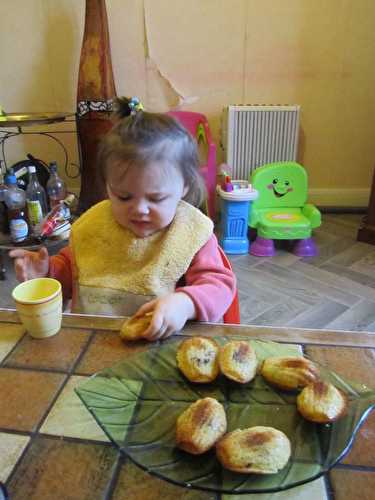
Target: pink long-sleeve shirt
{"x": 209, "y": 284}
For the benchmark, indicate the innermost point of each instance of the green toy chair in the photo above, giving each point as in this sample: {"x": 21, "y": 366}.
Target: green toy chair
{"x": 281, "y": 212}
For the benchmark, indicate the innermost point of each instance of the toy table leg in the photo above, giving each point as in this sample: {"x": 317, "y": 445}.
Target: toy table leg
{"x": 233, "y": 227}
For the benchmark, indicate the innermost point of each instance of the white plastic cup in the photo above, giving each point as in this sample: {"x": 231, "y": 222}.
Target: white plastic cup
{"x": 39, "y": 306}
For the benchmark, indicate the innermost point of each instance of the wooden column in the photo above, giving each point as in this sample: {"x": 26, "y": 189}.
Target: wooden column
{"x": 95, "y": 94}
{"x": 366, "y": 232}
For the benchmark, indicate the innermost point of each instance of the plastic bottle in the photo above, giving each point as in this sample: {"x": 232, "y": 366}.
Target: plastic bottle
{"x": 56, "y": 188}
{"x": 36, "y": 202}
{"x": 15, "y": 200}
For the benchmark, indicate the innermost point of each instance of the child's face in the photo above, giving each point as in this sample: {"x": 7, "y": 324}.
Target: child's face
{"x": 145, "y": 199}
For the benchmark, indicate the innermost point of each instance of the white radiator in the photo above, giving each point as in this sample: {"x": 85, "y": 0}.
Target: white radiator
{"x": 253, "y": 135}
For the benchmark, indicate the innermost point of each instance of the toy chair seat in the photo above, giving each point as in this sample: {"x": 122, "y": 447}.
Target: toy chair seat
{"x": 283, "y": 224}
{"x": 197, "y": 125}
{"x": 281, "y": 211}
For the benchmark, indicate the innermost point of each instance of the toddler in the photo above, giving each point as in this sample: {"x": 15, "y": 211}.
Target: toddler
{"x": 147, "y": 248}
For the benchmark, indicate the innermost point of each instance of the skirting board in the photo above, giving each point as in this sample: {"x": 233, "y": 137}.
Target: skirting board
{"x": 355, "y": 197}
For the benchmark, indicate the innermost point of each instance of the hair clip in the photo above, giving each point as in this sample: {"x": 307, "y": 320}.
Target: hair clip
{"x": 135, "y": 105}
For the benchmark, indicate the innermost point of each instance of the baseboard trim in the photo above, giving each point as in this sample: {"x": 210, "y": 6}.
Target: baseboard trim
{"x": 349, "y": 198}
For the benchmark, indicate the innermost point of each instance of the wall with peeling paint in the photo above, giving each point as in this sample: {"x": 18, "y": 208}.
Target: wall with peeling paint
{"x": 205, "y": 54}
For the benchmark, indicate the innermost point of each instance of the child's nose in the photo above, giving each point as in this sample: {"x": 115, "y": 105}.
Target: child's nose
{"x": 141, "y": 207}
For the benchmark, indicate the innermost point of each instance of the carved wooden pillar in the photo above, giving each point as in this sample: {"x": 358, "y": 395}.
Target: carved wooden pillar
{"x": 96, "y": 90}
{"x": 366, "y": 232}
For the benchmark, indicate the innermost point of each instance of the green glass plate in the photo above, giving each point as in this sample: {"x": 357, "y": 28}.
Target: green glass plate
{"x": 137, "y": 403}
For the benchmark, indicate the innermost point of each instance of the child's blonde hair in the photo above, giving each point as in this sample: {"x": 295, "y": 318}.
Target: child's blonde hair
{"x": 142, "y": 138}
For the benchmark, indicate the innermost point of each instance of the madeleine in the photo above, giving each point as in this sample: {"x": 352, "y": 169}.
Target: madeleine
{"x": 238, "y": 361}
{"x": 289, "y": 373}
{"x": 321, "y": 402}
{"x": 197, "y": 358}
{"x": 260, "y": 450}
{"x": 200, "y": 426}
{"x": 133, "y": 327}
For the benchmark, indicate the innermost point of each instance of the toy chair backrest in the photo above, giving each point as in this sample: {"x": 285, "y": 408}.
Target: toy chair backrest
{"x": 281, "y": 184}
{"x": 197, "y": 125}
{"x": 192, "y": 121}
{"x": 233, "y": 313}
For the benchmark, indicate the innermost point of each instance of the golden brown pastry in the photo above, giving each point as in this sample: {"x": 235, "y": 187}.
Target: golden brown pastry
{"x": 133, "y": 327}
{"x": 321, "y": 402}
{"x": 200, "y": 426}
{"x": 237, "y": 361}
{"x": 197, "y": 358}
{"x": 289, "y": 372}
{"x": 262, "y": 450}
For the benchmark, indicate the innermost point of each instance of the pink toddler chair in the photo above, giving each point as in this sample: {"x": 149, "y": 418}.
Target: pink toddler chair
{"x": 197, "y": 125}
{"x": 233, "y": 313}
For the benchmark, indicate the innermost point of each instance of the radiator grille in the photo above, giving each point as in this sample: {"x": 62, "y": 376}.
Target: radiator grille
{"x": 253, "y": 135}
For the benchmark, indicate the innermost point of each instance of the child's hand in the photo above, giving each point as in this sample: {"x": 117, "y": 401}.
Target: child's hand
{"x": 170, "y": 314}
{"x": 29, "y": 265}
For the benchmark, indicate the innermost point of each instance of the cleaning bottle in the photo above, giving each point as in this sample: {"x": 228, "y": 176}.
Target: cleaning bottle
{"x": 36, "y": 201}
{"x": 56, "y": 188}
{"x": 57, "y": 217}
{"x": 15, "y": 200}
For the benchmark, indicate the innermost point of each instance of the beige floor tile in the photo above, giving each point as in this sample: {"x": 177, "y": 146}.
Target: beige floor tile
{"x": 11, "y": 448}
{"x": 69, "y": 417}
{"x": 9, "y": 338}
{"x": 315, "y": 490}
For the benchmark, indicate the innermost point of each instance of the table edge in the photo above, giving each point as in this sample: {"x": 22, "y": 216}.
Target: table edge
{"x": 338, "y": 338}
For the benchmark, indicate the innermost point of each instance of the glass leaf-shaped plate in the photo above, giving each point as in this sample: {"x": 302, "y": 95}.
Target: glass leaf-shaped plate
{"x": 137, "y": 403}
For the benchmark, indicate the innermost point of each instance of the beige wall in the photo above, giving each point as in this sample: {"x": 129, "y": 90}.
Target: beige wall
{"x": 205, "y": 54}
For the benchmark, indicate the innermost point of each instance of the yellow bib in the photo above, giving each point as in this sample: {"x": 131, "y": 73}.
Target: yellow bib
{"x": 111, "y": 259}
